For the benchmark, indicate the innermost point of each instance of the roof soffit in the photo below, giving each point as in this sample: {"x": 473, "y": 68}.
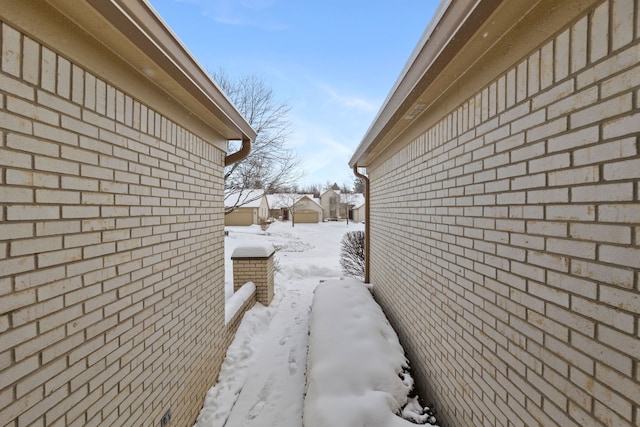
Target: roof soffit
{"x": 136, "y": 34}
{"x": 461, "y": 54}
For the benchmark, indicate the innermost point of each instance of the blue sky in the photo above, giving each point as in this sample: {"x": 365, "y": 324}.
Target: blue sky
{"x": 332, "y": 61}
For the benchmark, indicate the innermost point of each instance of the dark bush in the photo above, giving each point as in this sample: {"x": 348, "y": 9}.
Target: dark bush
{"x": 352, "y": 254}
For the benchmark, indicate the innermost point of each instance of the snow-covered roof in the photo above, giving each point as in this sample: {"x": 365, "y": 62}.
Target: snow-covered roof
{"x": 354, "y": 199}
{"x": 336, "y": 192}
{"x": 283, "y": 200}
{"x": 275, "y": 201}
{"x": 312, "y": 199}
{"x": 243, "y": 198}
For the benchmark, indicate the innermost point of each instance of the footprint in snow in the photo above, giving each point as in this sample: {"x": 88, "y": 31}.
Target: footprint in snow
{"x": 293, "y": 364}
{"x": 262, "y": 400}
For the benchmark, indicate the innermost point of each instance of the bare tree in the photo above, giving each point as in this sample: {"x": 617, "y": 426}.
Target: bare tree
{"x": 272, "y": 163}
{"x": 315, "y": 189}
{"x": 345, "y": 187}
{"x": 235, "y": 198}
{"x": 330, "y": 186}
{"x": 348, "y": 200}
{"x": 288, "y": 201}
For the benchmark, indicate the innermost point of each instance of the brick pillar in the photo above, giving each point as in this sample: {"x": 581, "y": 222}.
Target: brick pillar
{"x": 254, "y": 264}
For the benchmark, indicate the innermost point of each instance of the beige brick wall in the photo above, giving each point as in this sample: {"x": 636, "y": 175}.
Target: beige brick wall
{"x": 505, "y": 238}
{"x": 111, "y": 250}
{"x": 260, "y": 271}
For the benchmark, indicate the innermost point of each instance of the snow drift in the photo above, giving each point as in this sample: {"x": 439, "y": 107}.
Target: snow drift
{"x": 356, "y": 367}
{"x": 237, "y": 300}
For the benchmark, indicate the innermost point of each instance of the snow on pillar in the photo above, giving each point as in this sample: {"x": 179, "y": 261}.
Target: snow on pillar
{"x": 254, "y": 264}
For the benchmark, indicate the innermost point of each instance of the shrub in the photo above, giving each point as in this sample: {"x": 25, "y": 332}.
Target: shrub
{"x": 352, "y": 254}
{"x": 264, "y": 224}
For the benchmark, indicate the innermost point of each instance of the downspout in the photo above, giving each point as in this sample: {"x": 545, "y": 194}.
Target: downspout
{"x": 241, "y": 154}
{"x": 367, "y": 238}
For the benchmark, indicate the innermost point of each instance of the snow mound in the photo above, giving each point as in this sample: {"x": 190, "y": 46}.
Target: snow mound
{"x": 356, "y": 367}
{"x": 237, "y": 300}
{"x": 264, "y": 250}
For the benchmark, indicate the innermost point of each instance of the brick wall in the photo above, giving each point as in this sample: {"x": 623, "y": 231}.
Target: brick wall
{"x": 505, "y": 239}
{"x": 111, "y": 250}
{"x": 260, "y": 271}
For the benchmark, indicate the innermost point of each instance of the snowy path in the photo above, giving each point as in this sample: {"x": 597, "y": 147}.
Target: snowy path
{"x": 262, "y": 379}
{"x": 274, "y": 389}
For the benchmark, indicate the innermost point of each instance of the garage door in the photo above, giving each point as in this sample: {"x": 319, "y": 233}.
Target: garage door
{"x": 306, "y": 217}
{"x": 239, "y": 217}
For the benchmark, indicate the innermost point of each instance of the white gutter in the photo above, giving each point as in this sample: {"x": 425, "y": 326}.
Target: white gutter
{"x": 450, "y": 28}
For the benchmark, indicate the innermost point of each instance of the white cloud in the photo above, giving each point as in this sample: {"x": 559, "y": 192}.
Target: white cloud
{"x": 351, "y": 102}
{"x": 257, "y": 4}
{"x": 325, "y": 156}
{"x": 252, "y": 13}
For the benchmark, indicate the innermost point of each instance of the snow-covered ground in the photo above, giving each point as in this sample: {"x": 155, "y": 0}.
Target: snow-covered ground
{"x": 262, "y": 380}
{"x": 357, "y": 371}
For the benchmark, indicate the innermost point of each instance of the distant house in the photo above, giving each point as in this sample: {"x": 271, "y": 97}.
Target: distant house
{"x": 503, "y": 173}
{"x": 330, "y": 202}
{"x": 358, "y": 212}
{"x": 112, "y": 151}
{"x": 337, "y": 205}
{"x": 247, "y": 207}
{"x": 349, "y": 202}
{"x": 307, "y": 210}
{"x": 278, "y": 206}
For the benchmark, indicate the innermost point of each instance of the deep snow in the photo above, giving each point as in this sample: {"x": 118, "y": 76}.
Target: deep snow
{"x": 357, "y": 372}
{"x": 262, "y": 380}
{"x": 237, "y": 300}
